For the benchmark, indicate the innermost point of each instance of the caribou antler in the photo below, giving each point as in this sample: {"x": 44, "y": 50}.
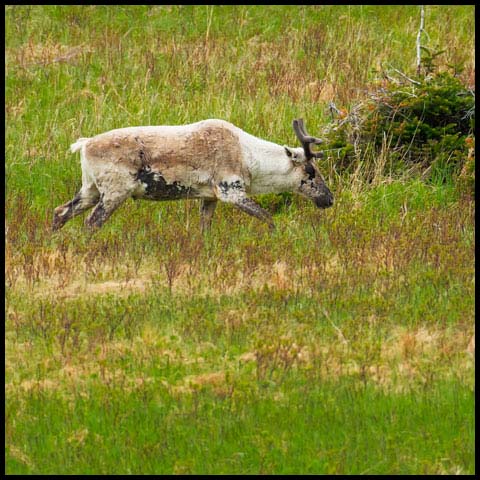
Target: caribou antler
{"x": 306, "y": 140}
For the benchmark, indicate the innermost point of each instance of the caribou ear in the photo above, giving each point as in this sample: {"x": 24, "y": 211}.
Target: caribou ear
{"x": 295, "y": 156}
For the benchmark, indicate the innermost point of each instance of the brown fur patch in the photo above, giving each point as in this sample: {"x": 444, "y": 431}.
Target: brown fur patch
{"x": 117, "y": 148}
{"x": 190, "y": 156}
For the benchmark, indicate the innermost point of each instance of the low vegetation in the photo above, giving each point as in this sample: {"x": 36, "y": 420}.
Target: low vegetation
{"x": 424, "y": 126}
{"x": 340, "y": 343}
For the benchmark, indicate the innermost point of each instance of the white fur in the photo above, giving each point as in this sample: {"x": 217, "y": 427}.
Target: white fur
{"x": 210, "y": 160}
{"x": 75, "y": 147}
{"x": 270, "y": 169}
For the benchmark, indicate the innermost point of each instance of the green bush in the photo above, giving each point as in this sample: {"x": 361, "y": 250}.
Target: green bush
{"x": 423, "y": 121}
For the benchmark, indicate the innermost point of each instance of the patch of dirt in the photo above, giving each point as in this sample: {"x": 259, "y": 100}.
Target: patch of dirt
{"x": 78, "y": 289}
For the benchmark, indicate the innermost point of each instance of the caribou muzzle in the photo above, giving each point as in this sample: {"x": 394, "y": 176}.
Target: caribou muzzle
{"x": 325, "y": 200}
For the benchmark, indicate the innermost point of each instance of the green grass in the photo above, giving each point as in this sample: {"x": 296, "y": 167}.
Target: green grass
{"x": 340, "y": 343}
{"x": 328, "y": 428}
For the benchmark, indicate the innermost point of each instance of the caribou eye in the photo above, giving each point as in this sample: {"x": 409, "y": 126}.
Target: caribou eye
{"x": 310, "y": 171}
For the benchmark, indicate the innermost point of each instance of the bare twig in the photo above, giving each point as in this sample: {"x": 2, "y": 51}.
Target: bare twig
{"x": 391, "y": 79}
{"x": 405, "y": 77}
{"x": 333, "y": 109}
{"x": 340, "y": 334}
{"x": 419, "y": 35}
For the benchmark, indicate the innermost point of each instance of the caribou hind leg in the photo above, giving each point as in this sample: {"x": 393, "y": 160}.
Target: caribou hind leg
{"x": 114, "y": 190}
{"x": 107, "y": 204}
{"x": 86, "y": 198}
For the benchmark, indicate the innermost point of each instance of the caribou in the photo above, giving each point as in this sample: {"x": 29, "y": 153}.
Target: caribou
{"x": 210, "y": 160}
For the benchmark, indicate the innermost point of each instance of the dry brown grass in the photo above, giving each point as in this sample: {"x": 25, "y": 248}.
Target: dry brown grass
{"x": 42, "y": 54}
{"x": 405, "y": 358}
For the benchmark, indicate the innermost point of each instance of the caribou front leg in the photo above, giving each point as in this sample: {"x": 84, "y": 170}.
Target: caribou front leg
{"x": 234, "y": 193}
{"x": 207, "y": 208}
{"x": 251, "y": 207}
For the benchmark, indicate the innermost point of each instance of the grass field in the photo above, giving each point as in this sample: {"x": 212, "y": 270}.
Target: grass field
{"x": 341, "y": 343}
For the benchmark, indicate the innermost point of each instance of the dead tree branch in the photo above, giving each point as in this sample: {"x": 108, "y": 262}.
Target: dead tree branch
{"x": 419, "y": 35}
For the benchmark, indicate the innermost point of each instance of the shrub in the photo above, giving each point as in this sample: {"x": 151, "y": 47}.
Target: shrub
{"x": 423, "y": 123}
